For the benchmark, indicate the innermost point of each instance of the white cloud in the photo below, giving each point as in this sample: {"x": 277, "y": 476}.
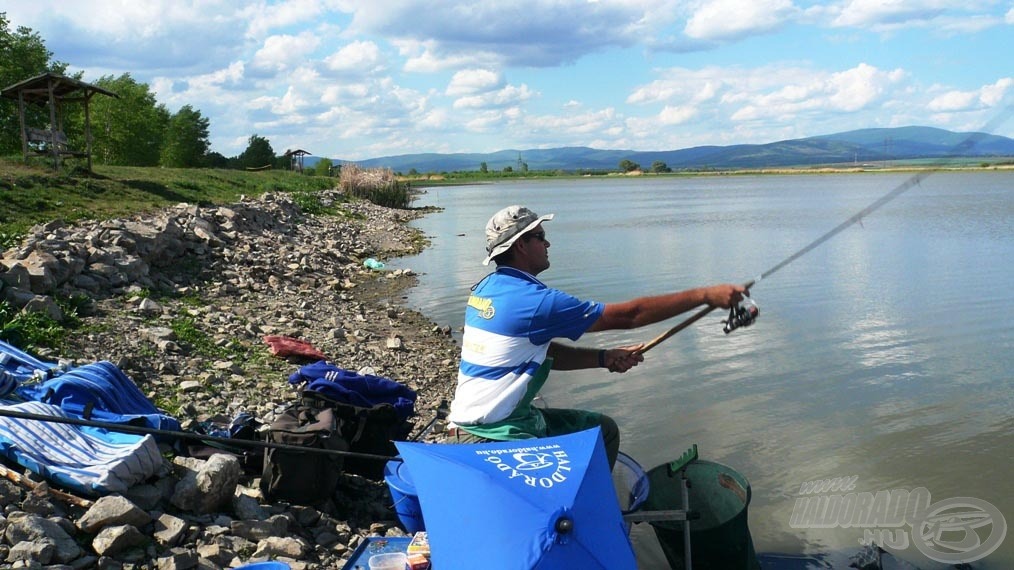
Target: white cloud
{"x": 358, "y": 56}
{"x": 285, "y": 51}
{"x": 458, "y": 33}
{"x": 856, "y": 88}
{"x": 469, "y": 81}
{"x": 682, "y": 85}
{"x": 730, "y": 19}
{"x": 424, "y": 57}
{"x": 264, "y": 17}
{"x": 677, "y": 115}
{"x": 506, "y": 97}
{"x": 986, "y": 96}
{"x": 583, "y": 124}
{"x": 888, "y": 14}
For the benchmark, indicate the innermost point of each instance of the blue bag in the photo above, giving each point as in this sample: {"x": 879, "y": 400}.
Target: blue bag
{"x": 372, "y": 412}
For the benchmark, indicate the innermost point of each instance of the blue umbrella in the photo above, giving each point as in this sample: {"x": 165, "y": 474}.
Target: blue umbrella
{"x": 533, "y": 504}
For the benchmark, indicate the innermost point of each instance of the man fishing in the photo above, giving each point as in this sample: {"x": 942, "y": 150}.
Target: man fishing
{"x": 508, "y": 346}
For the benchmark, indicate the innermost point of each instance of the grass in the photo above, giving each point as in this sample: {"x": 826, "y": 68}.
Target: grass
{"x": 35, "y": 193}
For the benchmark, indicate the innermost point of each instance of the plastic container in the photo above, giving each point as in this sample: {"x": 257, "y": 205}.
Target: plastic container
{"x": 269, "y": 565}
{"x": 389, "y": 561}
{"x": 371, "y": 263}
{"x": 720, "y": 538}
{"x": 631, "y": 482}
{"x": 403, "y": 493}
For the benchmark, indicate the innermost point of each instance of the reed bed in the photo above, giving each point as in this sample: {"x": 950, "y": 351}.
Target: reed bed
{"x": 377, "y": 185}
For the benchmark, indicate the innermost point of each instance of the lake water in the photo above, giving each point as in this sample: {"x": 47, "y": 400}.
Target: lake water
{"x": 886, "y": 353}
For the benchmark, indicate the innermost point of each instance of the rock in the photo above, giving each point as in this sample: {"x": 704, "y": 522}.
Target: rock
{"x": 221, "y": 277}
{"x": 168, "y": 529}
{"x": 33, "y": 528}
{"x": 112, "y": 510}
{"x": 210, "y": 486}
{"x": 115, "y": 539}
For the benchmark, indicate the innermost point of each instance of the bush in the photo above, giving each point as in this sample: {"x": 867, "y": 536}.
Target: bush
{"x": 378, "y": 185}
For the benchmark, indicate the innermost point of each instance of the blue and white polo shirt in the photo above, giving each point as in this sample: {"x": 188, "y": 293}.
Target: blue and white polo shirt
{"x": 510, "y": 320}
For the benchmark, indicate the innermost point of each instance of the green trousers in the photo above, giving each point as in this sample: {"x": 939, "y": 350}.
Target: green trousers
{"x": 560, "y": 421}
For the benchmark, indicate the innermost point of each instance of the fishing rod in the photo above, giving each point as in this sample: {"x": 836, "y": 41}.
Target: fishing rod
{"x": 746, "y": 313}
{"x": 141, "y": 430}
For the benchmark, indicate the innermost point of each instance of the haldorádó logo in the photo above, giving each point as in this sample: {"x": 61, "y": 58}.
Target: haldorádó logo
{"x": 951, "y": 531}
{"x": 536, "y": 466}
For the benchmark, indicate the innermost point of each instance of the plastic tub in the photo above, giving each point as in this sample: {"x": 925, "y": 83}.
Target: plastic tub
{"x": 403, "y": 493}
{"x": 269, "y": 565}
{"x": 389, "y": 561}
{"x": 631, "y": 483}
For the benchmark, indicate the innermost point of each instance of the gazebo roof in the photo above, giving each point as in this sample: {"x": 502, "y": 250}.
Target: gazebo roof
{"x": 36, "y": 89}
{"x": 296, "y": 152}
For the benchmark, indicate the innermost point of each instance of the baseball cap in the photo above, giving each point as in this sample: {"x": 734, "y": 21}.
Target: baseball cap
{"x": 506, "y": 226}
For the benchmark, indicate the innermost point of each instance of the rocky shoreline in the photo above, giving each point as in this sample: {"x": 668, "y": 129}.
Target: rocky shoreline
{"x": 181, "y": 301}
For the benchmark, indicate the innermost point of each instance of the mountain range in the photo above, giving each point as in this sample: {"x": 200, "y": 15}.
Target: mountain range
{"x": 863, "y": 146}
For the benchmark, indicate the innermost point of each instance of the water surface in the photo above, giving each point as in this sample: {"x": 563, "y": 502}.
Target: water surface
{"x": 887, "y": 353}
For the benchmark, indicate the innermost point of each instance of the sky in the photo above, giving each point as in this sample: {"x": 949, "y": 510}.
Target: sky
{"x": 351, "y": 80}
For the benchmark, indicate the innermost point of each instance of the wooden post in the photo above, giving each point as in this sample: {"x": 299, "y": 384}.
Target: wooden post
{"x": 88, "y": 129}
{"x": 52, "y": 125}
{"x": 24, "y": 133}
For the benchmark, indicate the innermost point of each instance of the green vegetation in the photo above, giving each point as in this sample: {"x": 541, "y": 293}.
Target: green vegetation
{"x": 186, "y": 330}
{"x": 33, "y": 194}
{"x": 33, "y": 329}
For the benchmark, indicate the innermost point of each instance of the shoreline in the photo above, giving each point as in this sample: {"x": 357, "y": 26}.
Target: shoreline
{"x": 256, "y": 268}
{"x": 440, "y": 180}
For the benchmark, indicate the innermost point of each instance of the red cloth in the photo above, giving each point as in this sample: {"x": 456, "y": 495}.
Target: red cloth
{"x": 283, "y": 346}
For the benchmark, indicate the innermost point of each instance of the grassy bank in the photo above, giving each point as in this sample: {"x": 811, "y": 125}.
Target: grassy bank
{"x": 33, "y": 194}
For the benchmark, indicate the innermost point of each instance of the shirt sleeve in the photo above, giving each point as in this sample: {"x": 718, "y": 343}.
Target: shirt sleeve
{"x": 563, "y": 316}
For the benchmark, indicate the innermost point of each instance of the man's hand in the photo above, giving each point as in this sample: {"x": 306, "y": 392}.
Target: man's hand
{"x": 725, "y": 295}
{"x": 623, "y": 358}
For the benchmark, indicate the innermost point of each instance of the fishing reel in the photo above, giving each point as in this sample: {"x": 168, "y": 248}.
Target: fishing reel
{"x": 742, "y": 315}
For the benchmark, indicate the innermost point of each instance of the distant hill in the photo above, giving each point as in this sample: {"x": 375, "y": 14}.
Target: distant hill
{"x": 861, "y": 146}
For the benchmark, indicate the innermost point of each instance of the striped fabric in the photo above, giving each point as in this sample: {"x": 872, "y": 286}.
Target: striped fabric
{"x": 88, "y": 460}
{"x": 510, "y": 320}
{"x": 17, "y": 366}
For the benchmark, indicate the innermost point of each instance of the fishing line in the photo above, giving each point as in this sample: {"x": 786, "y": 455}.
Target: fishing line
{"x": 960, "y": 149}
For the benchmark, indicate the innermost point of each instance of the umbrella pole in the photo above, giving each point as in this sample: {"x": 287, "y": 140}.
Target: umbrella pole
{"x": 686, "y": 524}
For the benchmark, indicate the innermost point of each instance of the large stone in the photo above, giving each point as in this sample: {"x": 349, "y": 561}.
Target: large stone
{"x": 209, "y": 487}
{"x": 33, "y": 528}
{"x": 112, "y": 510}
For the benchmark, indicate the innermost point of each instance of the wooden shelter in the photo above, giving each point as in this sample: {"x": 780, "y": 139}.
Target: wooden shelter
{"x": 52, "y": 91}
{"x": 296, "y": 158}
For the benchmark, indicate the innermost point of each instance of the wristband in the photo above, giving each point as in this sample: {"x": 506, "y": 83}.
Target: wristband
{"x": 602, "y": 359}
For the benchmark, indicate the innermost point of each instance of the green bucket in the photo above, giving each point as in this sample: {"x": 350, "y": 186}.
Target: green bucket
{"x": 720, "y": 538}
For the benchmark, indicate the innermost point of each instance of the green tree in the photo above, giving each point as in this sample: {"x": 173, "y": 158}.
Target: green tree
{"x": 128, "y": 131}
{"x": 23, "y": 55}
{"x": 217, "y": 160}
{"x": 186, "y": 139}
{"x": 627, "y": 165}
{"x": 659, "y": 166}
{"x": 323, "y": 167}
{"x": 483, "y": 167}
{"x": 258, "y": 153}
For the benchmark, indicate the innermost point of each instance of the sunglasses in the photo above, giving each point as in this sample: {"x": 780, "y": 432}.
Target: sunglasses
{"x": 541, "y": 236}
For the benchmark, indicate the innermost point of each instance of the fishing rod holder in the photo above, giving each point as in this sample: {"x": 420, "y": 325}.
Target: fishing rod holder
{"x": 742, "y": 315}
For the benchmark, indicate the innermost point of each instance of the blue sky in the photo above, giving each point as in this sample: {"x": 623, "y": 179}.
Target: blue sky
{"x": 354, "y": 79}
